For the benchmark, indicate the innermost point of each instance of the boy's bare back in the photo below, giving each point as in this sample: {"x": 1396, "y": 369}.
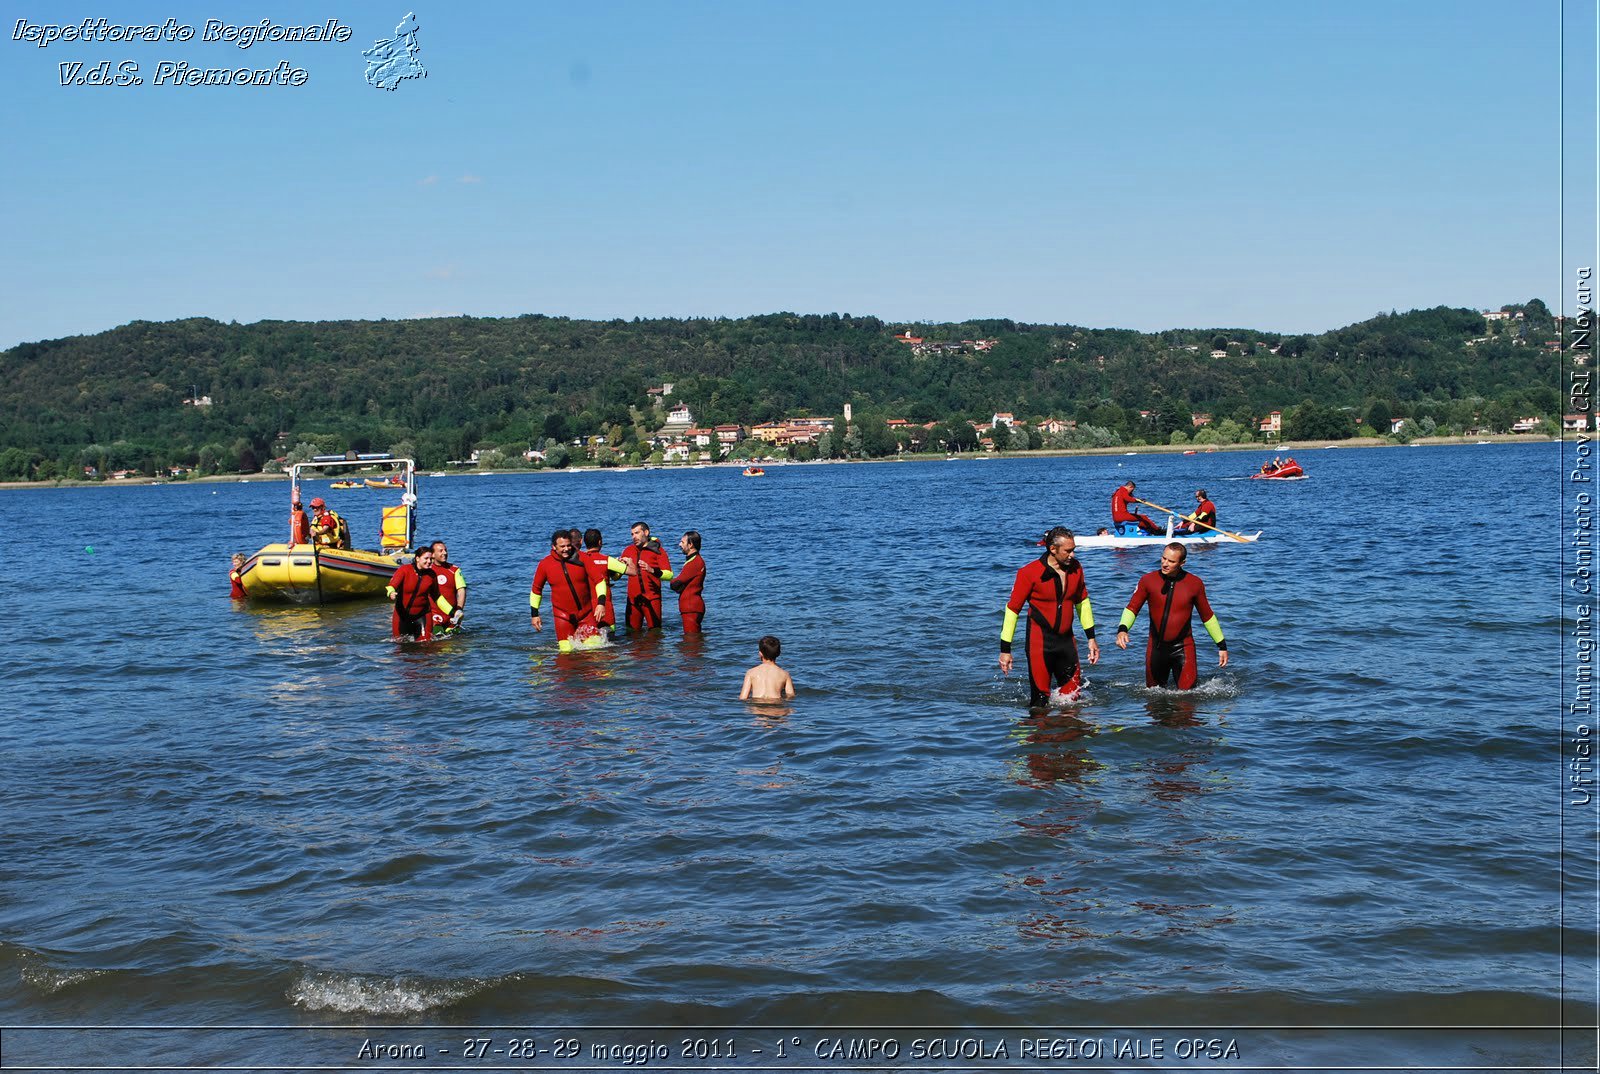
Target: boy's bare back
{"x": 766, "y": 682}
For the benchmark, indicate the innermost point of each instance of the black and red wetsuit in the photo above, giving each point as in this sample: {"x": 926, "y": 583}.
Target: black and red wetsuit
{"x": 1051, "y": 600}
{"x": 415, "y": 593}
{"x": 1173, "y": 600}
{"x": 571, "y": 595}
{"x": 690, "y": 584}
{"x": 1122, "y": 516}
{"x": 644, "y": 588}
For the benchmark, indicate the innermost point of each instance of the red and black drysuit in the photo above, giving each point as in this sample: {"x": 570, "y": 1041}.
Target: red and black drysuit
{"x": 644, "y": 587}
{"x": 690, "y": 585}
{"x": 1051, "y": 599}
{"x": 601, "y": 567}
{"x": 415, "y": 594}
{"x": 572, "y": 595}
{"x": 1122, "y": 515}
{"x": 1170, "y": 652}
{"x": 452, "y": 583}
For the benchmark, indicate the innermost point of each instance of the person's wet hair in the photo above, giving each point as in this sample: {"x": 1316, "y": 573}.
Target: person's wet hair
{"x": 591, "y": 538}
{"x": 769, "y": 647}
{"x": 693, "y": 537}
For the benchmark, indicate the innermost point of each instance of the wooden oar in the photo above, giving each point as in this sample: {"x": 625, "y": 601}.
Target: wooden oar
{"x": 1174, "y": 514}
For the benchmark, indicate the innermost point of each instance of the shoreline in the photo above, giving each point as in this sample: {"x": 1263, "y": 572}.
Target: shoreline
{"x": 1280, "y": 448}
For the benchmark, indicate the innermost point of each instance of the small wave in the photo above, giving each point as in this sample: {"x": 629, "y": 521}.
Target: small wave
{"x": 50, "y": 980}
{"x": 347, "y": 993}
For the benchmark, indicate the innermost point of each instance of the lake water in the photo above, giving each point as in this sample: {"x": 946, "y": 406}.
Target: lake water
{"x": 219, "y": 815}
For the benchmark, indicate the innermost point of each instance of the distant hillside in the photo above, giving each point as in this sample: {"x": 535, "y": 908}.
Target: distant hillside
{"x": 445, "y": 386}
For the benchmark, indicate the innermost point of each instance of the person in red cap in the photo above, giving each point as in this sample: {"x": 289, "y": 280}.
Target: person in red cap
{"x": 327, "y": 528}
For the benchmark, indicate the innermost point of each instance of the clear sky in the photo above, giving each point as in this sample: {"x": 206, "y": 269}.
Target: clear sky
{"x": 1275, "y": 165}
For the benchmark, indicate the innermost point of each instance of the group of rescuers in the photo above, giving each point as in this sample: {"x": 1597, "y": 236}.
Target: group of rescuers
{"x": 429, "y": 596}
{"x": 429, "y": 591}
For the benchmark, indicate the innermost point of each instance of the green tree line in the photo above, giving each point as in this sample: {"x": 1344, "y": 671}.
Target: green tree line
{"x": 442, "y": 388}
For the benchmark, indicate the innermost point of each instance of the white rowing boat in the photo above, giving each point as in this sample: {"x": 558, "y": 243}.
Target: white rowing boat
{"x": 1157, "y": 540}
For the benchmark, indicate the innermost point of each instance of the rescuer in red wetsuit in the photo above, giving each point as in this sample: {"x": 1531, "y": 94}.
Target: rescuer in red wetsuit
{"x": 602, "y": 568}
{"x": 415, "y": 592}
{"x": 572, "y": 595}
{"x": 1173, "y": 595}
{"x": 1052, "y": 586}
{"x": 1205, "y": 513}
{"x": 690, "y": 584}
{"x": 236, "y": 578}
{"x": 452, "y": 587}
{"x": 651, "y": 567}
{"x": 1122, "y": 516}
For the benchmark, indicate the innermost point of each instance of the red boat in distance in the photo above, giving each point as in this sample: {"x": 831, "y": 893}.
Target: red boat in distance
{"x": 1279, "y": 470}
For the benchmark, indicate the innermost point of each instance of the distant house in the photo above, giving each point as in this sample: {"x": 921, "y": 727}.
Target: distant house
{"x": 979, "y": 344}
{"x": 661, "y": 392}
{"x": 700, "y": 437}
{"x": 1054, "y": 426}
{"x": 1396, "y": 424}
{"x": 1273, "y": 423}
{"x": 90, "y": 471}
{"x": 1003, "y": 417}
{"x": 1496, "y": 315}
{"x": 533, "y": 455}
{"x": 202, "y": 400}
{"x": 1575, "y": 422}
{"x": 678, "y": 452}
{"x": 729, "y": 434}
{"x": 907, "y": 337}
{"x": 123, "y": 475}
{"x": 1198, "y": 420}
{"x": 1524, "y": 425}
{"x": 679, "y": 415}
{"x": 1219, "y": 354}
{"x": 767, "y": 431}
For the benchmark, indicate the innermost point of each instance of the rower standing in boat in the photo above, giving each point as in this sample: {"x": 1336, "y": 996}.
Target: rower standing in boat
{"x": 1122, "y": 517}
{"x": 1203, "y": 519}
{"x": 1173, "y": 595}
{"x": 328, "y": 529}
{"x": 1052, "y": 587}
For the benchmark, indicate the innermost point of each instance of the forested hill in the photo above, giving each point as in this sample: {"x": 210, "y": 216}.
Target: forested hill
{"x": 447, "y": 385}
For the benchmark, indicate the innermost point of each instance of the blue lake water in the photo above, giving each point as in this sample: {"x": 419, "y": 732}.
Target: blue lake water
{"x": 225, "y": 815}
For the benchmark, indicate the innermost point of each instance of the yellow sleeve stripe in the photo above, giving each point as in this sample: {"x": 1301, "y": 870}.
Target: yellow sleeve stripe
{"x": 1128, "y": 616}
{"x": 1085, "y": 614}
{"x": 1213, "y": 628}
{"x": 615, "y": 565}
{"x": 1008, "y": 626}
{"x": 666, "y": 573}
{"x": 442, "y": 604}
{"x": 533, "y": 601}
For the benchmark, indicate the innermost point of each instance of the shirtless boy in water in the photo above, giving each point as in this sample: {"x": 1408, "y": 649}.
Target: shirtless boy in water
{"x": 767, "y": 681}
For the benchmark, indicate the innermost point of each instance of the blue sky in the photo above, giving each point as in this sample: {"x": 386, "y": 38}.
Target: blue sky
{"x": 1290, "y": 167}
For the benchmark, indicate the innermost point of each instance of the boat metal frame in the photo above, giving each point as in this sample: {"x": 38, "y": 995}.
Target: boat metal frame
{"x": 330, "y": 462}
